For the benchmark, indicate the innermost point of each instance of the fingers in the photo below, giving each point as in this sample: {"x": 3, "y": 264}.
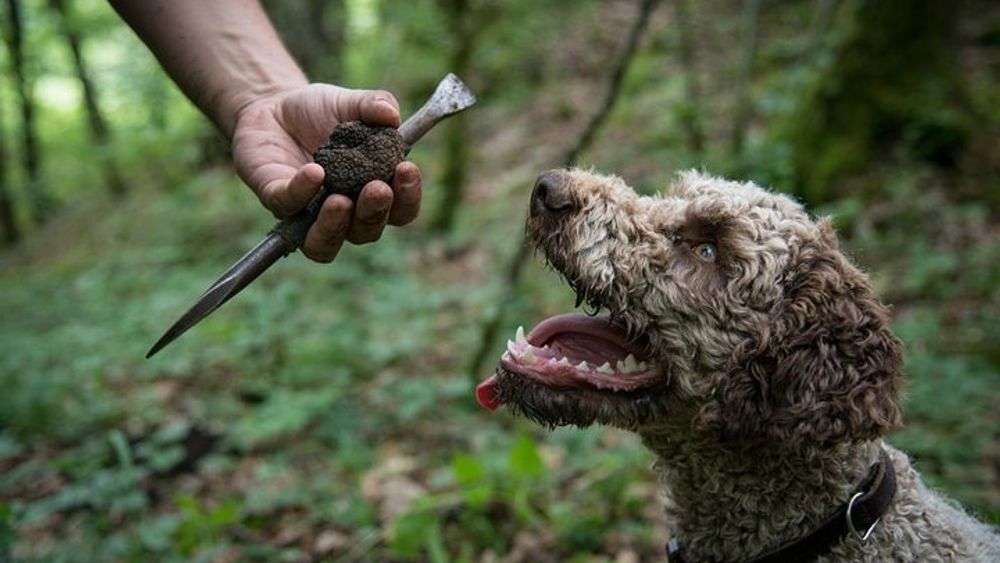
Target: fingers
{"x": 379, "y": 204}
{"x": 284, "y": 197}
{"x": 364, "y": 222}
{"x": 326, "y": 236}
{"x": 336, "y": 224}
{"x": 407, "y": 190}
{"x": 340, "y": 219}
{"x": 374, "y": 107}
{"x": 372, "y": 212}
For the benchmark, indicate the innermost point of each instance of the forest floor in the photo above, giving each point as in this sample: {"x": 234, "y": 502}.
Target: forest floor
{"x": 284, "y": 427}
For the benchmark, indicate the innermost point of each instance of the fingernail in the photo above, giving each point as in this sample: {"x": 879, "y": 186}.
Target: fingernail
{"x": 315, "y": 173}
{"x": 410, "y": 176}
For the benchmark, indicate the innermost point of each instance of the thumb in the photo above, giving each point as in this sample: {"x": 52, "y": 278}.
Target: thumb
{"x": 374, "y": 107}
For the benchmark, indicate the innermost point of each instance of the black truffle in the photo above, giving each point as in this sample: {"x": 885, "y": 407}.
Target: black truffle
{"x": 357, "y": 154}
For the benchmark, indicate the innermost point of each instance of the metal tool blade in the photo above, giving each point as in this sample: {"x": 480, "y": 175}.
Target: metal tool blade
{"x": 237, "y": 277}
{"x": 450, "y": 97}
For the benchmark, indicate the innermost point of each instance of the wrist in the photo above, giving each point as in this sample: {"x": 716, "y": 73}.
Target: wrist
{"x": 237, "y": 104}
{"x": 250, "y": 70}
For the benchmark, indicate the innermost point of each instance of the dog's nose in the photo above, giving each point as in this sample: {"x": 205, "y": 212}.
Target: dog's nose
{"x": 551, "y": 195}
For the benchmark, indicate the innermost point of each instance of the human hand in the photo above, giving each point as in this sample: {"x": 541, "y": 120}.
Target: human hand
{"x": 273, "y": 141}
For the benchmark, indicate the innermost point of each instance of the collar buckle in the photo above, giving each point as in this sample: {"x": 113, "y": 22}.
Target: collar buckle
{"x": 850, "y": 522}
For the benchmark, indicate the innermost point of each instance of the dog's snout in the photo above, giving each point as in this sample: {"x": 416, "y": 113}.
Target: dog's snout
{"x": 551, "y": 194}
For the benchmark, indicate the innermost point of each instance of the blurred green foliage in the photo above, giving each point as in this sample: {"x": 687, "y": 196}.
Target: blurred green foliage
{"x": 325, "y": 413}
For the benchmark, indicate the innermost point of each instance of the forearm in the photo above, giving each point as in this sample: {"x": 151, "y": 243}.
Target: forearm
{"x": 223, "y": 54}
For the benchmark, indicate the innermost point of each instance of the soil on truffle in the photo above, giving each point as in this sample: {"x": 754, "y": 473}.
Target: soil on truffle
{"x": 356, "y": 154}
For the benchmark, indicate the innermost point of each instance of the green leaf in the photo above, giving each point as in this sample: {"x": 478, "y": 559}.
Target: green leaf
{"x": 225, "y": 514}
{"x": 471, "y": 477}
{"x": 413, "y": 531}
{"x": 525, "y": 462}
{"x": 468, "y": 470}
{"x": 6, "y": 531}
{"x": 120, "y": 445}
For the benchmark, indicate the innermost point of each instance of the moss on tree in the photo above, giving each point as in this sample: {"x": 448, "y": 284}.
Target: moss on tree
{"x": 893, "y": 84}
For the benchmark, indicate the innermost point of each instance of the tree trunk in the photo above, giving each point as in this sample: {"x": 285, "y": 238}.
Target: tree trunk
{"x": 893, "y": 87}
{"x": 614, "y": 84}
{"x": 491, "y": 325}
{"x": 99, "y": 131}
{"x": 744, "y": 101}
{"x": 690, "y": 111}
{"x": 330, "y": 37}
{"x": 8, "y": 220}
{"x": 825, "y": 9}
{"x": 314, "y": 32}
{"x": 456, "y": 144}
{"x": 41, "y": 203}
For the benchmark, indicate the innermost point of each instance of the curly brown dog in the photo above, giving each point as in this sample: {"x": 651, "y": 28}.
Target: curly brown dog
{"x": 752, "y": 358}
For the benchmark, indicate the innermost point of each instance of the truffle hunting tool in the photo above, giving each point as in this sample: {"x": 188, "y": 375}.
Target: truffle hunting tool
{"x": 355, "y": 155}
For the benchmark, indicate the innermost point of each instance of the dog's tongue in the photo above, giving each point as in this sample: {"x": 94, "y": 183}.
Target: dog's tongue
{"x": 487, "y": 394}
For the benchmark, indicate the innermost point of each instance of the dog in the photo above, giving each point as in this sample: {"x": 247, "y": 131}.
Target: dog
{"x": 751, "y": 357}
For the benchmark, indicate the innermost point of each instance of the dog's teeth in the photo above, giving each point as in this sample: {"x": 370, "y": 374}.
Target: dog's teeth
{"x": 643, "y": 366}
{"x": 605, "y": 368}
{"x": 529, "y": 357}
{"x": 520, "y": 334}
{"x": 583, "y": 366}
{"x": 511, "y": 348}
{"x": 630, "y": 363}
{"x": 506, "y": 356}
{"x": 565, "y": 362}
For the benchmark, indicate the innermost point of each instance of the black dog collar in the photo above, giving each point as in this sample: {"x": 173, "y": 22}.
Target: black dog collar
{"x": 858, "y": 517}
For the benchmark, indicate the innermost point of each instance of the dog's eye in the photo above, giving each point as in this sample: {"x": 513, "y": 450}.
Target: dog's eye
{"x": 706, "y": 252}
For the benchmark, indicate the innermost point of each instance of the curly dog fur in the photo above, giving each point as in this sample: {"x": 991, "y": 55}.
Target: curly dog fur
{"x": 779, "y": 372}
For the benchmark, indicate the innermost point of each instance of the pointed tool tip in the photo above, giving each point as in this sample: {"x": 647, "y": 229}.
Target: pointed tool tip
{"x": 244, "y": 271}
{"x": 156, "y": 348}
{"x": 189, "y": 319}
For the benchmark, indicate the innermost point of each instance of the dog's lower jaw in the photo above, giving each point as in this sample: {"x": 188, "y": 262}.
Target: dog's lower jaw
{"x": 580, "y": 407}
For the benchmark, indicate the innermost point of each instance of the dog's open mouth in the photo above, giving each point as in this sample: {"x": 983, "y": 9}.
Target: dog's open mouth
{"x": 574, "y": 351}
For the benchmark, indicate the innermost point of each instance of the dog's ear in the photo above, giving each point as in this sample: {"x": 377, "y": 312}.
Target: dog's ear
{"x": 826, "y": 370}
